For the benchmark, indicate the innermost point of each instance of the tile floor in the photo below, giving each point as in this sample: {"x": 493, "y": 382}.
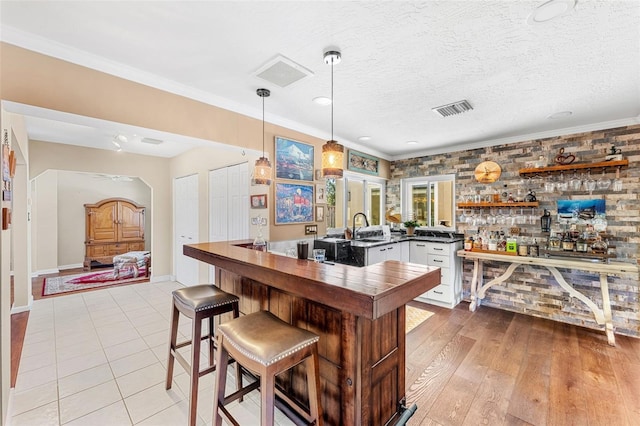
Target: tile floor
{"x": 99, "y": 358}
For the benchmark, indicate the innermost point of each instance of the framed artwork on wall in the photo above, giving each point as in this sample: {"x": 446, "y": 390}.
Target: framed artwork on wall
{"x": 294, "y": 160}
{"x": 321, "y": 196}
{"x": 294, "y": 203}
{"x": 259, "y": 201}
{"x": 319, "y": 213}
{"x": 363, "y": 163}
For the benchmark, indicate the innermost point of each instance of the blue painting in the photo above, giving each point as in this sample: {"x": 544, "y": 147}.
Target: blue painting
{"x": 294, "y": 203}
{"x": 294, "y": 160}
{"x": 574, "y": 210}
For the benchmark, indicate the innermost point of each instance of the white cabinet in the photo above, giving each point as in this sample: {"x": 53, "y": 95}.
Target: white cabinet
{"x": 443, "y": 255}
{"x": 395, "y": 251}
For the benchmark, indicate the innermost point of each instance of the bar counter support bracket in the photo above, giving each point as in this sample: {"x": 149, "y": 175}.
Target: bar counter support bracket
{"x": 602, "y": 316}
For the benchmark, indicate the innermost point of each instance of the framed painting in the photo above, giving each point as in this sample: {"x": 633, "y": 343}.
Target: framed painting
{"x": 259, "y": 201}
{"x": 319, "y": 213}
{"x": 294, "y": 160}
{"x": 6, "y": 170}
{"x": 294, "y": 203}
{"x": 321, "y": 196}
{"x": 363, "y": 163}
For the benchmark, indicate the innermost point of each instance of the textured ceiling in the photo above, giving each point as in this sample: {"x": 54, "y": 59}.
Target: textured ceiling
{"x": 399, "y": 60}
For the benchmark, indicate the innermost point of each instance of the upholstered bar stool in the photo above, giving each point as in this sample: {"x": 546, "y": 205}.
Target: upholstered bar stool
{"x": 197, "y": 302}
{"x": 267, "y": 346}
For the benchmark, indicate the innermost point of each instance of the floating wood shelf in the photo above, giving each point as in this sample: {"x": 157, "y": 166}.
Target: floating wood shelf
{"x": 572, "y": 167}
{"x": 483, "y": 204}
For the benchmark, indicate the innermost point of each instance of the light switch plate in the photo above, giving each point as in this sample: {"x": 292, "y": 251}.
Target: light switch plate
{"x": 310, "y": 229}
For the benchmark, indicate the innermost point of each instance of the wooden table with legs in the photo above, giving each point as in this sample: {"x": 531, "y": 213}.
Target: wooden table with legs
{"x": 602, "y": 315}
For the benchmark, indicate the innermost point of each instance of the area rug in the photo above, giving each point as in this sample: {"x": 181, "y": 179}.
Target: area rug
{"x": 415, "y": 317}
{"x": 70, "y": 283}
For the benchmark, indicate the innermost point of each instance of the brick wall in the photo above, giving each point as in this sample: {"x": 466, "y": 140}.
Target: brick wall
{"x": 533, "y": 290}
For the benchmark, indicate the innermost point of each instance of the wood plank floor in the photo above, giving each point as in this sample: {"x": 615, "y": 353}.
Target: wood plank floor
{"x": 495, "y": 367}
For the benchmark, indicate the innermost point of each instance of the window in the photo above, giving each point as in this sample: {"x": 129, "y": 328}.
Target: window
{"x": 429, "y": 200}
{"x": 353, "y": 194}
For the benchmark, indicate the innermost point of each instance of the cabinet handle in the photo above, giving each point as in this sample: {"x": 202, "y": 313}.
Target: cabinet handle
{"x": 390, "y": 248}
{"x": 383, "y": 249}
{"x": 420, "y": 245}
{"x": 437, "y": 261}
{"x": 438, "y": 249}
{"x": 438, "y": 292}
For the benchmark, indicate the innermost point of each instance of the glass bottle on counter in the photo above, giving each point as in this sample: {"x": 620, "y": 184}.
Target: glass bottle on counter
{"x": 567, "y": 242}
{"x": 534, "y": 249}
{"x": 581, "y": 243}
{"x": 468, "y": 243}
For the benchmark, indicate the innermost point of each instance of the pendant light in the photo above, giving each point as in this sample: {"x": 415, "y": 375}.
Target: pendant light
{"x": 262, "y": 169}
{"x": 332, "y": 151}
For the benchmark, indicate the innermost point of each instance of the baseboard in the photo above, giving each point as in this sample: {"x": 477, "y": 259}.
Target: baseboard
{"x": 73, "y": 266}
{"x": 157, "y": 279}
{"x": 46, "y": 271}
{"x": 19, "y": 309}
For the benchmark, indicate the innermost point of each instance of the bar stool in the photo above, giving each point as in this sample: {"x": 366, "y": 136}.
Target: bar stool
{"x": 197, "y": 302}
{"x": 267, "y": 346}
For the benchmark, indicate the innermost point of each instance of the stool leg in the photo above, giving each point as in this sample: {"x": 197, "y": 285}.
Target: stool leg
{"x": 175, "y": 316}
{"x": 211, "y": 342}
{"x": 196, "y": 335}
{"x": 236, "y": 314}
{"x": 313, "y": 374}
{"x": 222, "y": 360}
{"x": 267, "y": 398}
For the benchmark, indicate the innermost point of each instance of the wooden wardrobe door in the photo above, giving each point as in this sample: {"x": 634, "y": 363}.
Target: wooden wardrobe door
{"x": 131, "y": 222}
{"x": 102, "y": 222}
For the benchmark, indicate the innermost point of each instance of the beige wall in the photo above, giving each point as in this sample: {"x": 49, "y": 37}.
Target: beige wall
{"x": 77, "y": 189}
{"x": 154, "y": 171}
{"x": 44, "y": 221}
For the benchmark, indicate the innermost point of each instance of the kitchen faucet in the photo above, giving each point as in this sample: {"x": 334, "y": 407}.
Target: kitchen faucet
{"x": 366, "y": 222}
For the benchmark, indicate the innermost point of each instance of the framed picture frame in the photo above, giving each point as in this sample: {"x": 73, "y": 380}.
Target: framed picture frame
{"x": 294, "y": 160}
{"x": 321, "y": 193}
{"x": 294, "y": 203}
{"x": 258, "y": 201}
{"x": 6, "y": 166}
{"x": 319, "y": 213}
{"x": 363, "y": 163}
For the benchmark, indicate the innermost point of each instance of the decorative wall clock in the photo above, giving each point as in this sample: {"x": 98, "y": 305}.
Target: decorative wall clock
{"x": 487, "y": 172}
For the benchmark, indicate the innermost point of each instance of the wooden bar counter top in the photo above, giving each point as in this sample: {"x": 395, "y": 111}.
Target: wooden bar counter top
{"x": 359, "y": 314}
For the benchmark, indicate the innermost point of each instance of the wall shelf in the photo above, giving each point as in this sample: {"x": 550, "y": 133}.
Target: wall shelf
{"x": 491, "y": 204}
{"x": 572, "y": 167}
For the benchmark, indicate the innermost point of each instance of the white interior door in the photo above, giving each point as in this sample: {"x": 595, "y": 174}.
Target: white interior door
{"x": 228, "y": 205}
{"x": 186, "y": 227}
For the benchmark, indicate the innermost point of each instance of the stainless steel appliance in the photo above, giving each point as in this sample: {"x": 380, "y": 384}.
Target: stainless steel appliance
{"x": 336, "y": 249}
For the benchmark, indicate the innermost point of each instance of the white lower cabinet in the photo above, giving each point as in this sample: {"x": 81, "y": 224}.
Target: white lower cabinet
{"x": 396, "y": 251}
{"x": 443, "y": 255}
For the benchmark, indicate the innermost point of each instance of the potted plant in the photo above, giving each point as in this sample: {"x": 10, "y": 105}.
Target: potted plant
{"x": 411, "y": 226}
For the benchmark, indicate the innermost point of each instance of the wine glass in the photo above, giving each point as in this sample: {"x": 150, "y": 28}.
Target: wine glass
{"x": 604, "y": 182}
{"x": 575, "y": 182}
{"x": 589, "y": 183}
{"x": 617, "y": 183}
{"x": 561, "y": 184}
{"x": 549, "y": 183}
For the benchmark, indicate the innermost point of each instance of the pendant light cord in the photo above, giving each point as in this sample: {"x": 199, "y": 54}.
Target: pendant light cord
{"x": 262, "y": 126}
{"x": 332, "y": 99}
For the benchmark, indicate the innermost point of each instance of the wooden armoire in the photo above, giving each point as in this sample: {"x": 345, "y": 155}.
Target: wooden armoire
{"x": 113, "y": 226}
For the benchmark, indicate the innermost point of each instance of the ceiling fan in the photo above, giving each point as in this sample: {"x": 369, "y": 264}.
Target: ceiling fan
{"x": 114, "y": 178}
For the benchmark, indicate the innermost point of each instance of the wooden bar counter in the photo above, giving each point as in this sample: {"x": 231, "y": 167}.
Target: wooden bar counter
{"x": 359, "y": 314}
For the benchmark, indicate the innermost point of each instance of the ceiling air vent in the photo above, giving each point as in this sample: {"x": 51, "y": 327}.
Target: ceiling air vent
{"x": 282, "y": 71}
{"x": 453, "y": 108}
{"x": 151, "y": 141}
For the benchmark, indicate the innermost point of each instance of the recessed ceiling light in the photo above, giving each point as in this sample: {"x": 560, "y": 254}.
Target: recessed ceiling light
{"x": 412, "y": 142}
{"x": 364, "y": 138}
{"x": 550, "y": 10}
{"x": 561, "y": 114}
{"x": 322, "y": 100}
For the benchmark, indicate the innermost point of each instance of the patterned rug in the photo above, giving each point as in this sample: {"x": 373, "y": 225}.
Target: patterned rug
{"x": 415, "y": 317}
{"x": 70, "y": 283}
